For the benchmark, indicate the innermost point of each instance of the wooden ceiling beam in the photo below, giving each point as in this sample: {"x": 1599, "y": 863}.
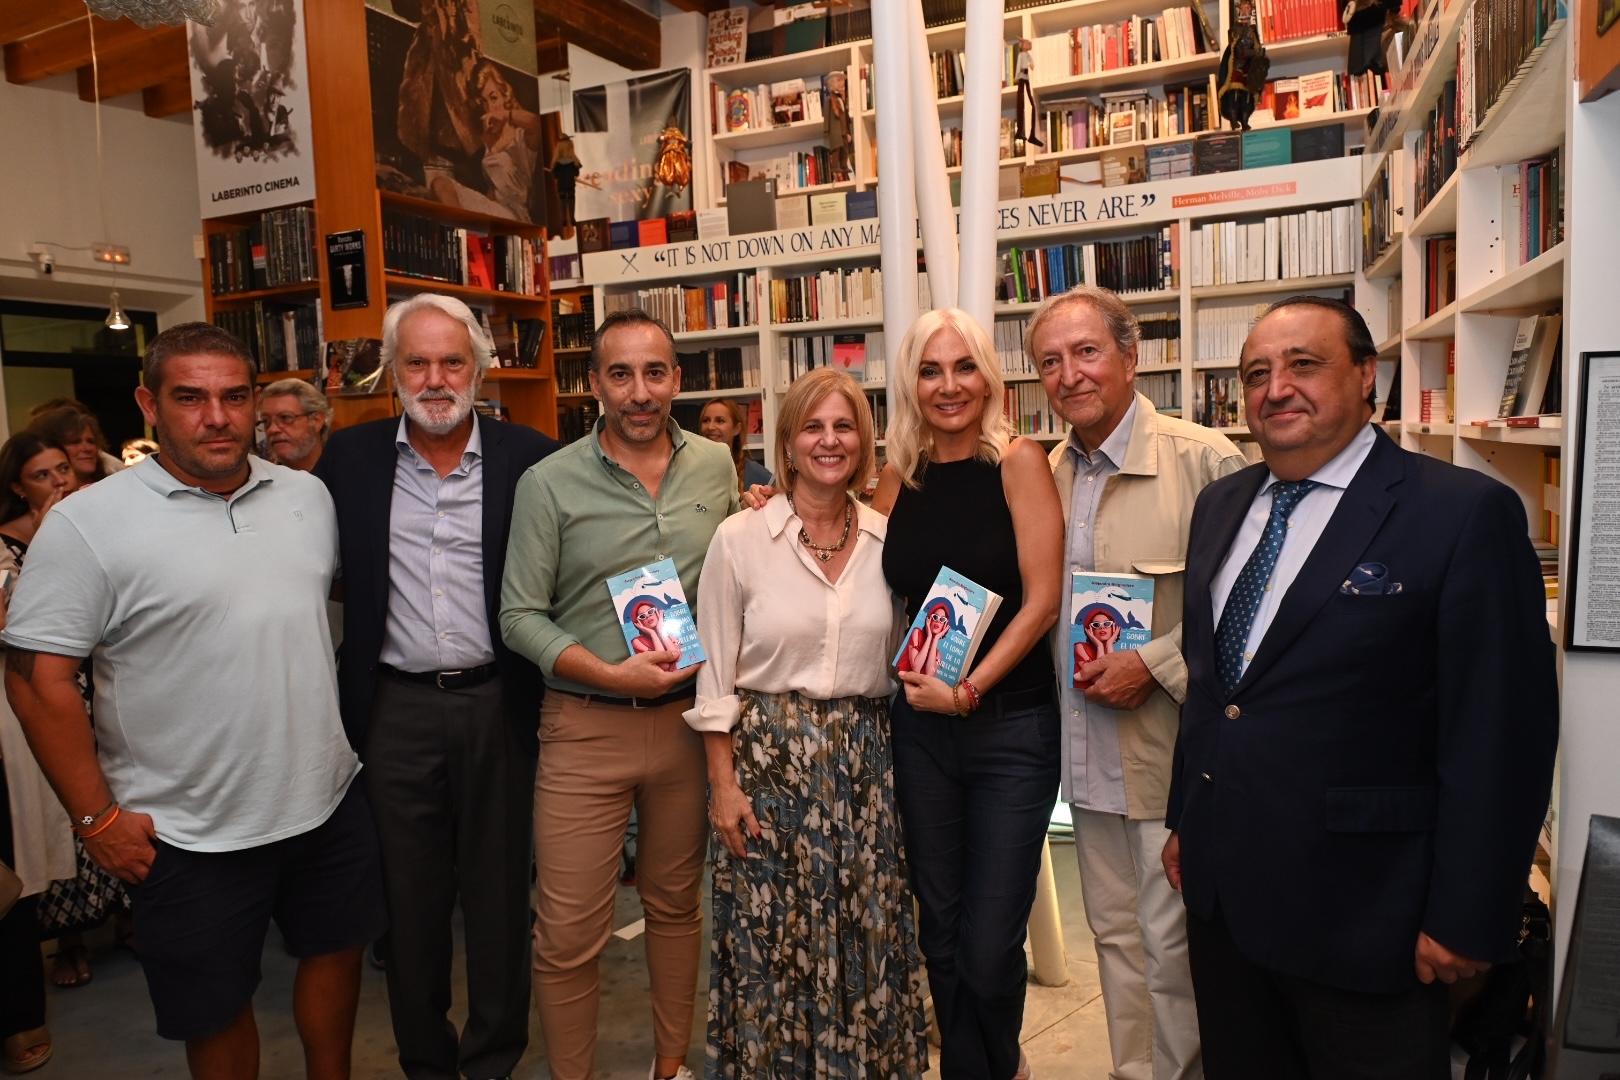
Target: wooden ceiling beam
{"x": 67, "y": 47}
{"x": 701, "y": 6}
{"x": 611, "y": 29}
{"x": 163, "y": 59}
{"x": 167, "y": 98}
{"x": 551, "y": 54}
{"x": 24, "y": 18}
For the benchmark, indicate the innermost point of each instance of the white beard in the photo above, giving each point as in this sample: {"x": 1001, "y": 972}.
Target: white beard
{"x": 438, "y": 423}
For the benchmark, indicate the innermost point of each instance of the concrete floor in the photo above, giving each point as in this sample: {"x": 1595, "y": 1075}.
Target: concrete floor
{"x": 104, "y": 1030}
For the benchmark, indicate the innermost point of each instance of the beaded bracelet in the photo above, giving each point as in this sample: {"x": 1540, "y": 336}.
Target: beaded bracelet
{"x": 974, "y": 701}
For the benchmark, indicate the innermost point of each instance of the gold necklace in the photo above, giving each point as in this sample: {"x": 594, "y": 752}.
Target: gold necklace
{"x": 824, "y": 552}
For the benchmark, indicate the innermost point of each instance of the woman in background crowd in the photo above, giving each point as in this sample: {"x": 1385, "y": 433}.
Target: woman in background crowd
{"x": 722, "y": 421}
{"x": 35, "y": 840}
{"x": 975, "y": 764}
{"x": 78, "y": 432}
{"x": 813, "y": 963}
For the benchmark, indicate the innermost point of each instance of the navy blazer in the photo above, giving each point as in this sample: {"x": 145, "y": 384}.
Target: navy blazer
{"x": 1385, "y": 763}
{"x": 358, "y": 469}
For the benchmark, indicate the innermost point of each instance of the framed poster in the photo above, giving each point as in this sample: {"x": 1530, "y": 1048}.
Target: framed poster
{"x": 346, "y": 269}
{"x": 1592, "y": 614}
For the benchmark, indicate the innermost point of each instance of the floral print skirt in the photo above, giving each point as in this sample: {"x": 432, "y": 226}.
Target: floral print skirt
{"x": 814, "y": 970}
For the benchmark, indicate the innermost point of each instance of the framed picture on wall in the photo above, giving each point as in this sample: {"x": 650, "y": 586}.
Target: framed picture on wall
{"x": 1597, "y": 48}
{"x": 1592, "y": 612}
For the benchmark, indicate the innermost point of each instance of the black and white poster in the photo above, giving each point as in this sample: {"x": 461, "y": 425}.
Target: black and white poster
{"x": 250, "y": 103}
{"x": 454, "y": 103}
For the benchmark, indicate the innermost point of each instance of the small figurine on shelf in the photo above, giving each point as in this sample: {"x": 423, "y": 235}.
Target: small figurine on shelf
{"x": 565, "y": 168}
{"x": 1371, "y": 24}
{"x": 840, "y": 134}
{"x": 674, "y": 166}
{"x": 1244, "y": 66}
{"x": 1024, "y": 72}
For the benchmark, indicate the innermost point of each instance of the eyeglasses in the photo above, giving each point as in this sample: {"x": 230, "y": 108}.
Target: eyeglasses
{"x": 283, "y": 420}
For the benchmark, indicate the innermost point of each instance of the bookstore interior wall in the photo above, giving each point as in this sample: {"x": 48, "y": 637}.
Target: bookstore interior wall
{"x": 48, "y": 169}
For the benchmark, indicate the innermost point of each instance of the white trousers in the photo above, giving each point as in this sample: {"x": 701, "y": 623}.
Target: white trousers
{"x": 1140, "y": 927}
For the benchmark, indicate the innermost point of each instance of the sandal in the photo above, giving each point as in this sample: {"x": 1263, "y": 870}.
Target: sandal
{"x": 72, "y": 967}
{"x": 28, "y": 1050}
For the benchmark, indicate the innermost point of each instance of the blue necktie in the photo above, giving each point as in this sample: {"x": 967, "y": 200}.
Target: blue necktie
{"x": 1237, "y": 617}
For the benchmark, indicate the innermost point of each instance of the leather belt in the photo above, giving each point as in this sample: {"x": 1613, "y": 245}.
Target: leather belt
{"x": 628, "y": 702}
{"x": 460, "y": 679}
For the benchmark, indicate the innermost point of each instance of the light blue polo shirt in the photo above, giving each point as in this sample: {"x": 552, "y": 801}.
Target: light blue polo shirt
{"x": 215, "y": 690}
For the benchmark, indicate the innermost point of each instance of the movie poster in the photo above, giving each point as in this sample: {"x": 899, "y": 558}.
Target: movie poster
{"x": 454, "y": 103}
{"x": 634, "y": 140}
{"x": 250, "y": 104}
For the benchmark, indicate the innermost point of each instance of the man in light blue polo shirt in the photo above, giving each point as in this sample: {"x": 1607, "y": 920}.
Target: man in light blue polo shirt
{"x": 218, "y": 780}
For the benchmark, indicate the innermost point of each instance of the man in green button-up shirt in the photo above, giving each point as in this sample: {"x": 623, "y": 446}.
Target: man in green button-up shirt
{"x": 635, "y": 491}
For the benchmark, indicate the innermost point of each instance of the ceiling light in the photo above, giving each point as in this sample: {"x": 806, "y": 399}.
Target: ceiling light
{"x": 116, "y": 319}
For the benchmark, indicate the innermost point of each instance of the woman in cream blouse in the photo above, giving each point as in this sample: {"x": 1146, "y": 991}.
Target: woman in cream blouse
{"x": 814, "y": 967}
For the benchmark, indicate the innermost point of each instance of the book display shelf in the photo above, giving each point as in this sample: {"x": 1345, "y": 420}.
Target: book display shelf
{"x": 1464, "y": 251}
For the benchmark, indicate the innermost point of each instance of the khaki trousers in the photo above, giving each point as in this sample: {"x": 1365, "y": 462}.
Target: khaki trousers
{"x": 595, "y": 762}
{"x": 1140, "y": 927}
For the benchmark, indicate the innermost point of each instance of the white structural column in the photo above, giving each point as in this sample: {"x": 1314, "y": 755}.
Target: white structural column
{"x": 897, "y": 203}
{"x": 933, "y": 189}
{"x": 981, "y": 141}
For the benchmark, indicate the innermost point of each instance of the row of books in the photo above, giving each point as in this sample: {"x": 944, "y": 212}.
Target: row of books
{"x": 517, "y": 341}
{"x": 1495, "y": 38}
{"x": 861, "y": 355}
{"x": 573, "y": 321}
{"x": 1280, "y": 247}
{"x": 1222, "y": 329}
{"x": 1290, "y": 20}
{"x": 565, "y": 267}
{"x": 1379, "y": 218}
{"x": 1163, "y": 388}
{"x": 1533, "y": 198}
{"x": 951, "y": 141}
{"x": 1174, "y": 34}
{"x": 1030, "y": 411}
{"x": 682, "y": 226}
{"x": 573, "y": 375}
{"x": 1439, "y": 273}
{"x": 1217, "y": 398}
{"x": 424, "y": 248}
{"x": 691, "y": 308}
{"x": 575, "y": 421}
{"x": 281, "y": 337}
{"x": 1140, "y": 264}
{"x": 720, "y": 367}
{"x": 793, "y": 171}
{"x": 1434, "y": 155}
{"x": 277, "y": 248}
{"x": 1161, "y": 338}
{"x": 845, "y": 292}
{"x": 767, "y": 105}
{"x": 1533, "y": 366}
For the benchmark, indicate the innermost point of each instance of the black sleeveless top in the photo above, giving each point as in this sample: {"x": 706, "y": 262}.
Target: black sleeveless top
{"x": 959, "y": 518}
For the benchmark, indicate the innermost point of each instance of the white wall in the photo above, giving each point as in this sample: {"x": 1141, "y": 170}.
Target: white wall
{"x": 49, "y": 192}
{"x": 1589, "y": 754}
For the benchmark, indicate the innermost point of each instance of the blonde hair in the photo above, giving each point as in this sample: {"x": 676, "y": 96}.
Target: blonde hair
{"x": 910, "y": 441}
{"x": 809, "y": 391}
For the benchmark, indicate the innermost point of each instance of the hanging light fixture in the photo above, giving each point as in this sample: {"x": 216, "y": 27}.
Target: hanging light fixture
{"x": 116, "y": 319}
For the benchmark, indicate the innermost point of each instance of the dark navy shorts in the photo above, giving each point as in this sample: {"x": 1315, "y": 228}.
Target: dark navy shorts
{"x": 201, "y": 917}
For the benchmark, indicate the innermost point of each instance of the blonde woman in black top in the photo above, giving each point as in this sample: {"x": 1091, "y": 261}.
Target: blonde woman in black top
{"x": 976, "y": 765}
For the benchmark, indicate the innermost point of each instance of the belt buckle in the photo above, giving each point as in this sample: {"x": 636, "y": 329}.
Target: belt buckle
{"x": 439, "y": 677}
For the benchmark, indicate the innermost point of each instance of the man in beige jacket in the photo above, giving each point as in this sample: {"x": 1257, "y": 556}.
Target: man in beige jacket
{"x": 1128, "y": 476}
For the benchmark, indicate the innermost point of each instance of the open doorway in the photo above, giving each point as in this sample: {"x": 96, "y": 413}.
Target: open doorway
{"x": 66, "y": 351}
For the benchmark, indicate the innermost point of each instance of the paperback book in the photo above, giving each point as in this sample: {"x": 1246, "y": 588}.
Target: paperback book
{"x": 654, "y": 615}
{"x": 1107, "y": 613}
{"x": 949, "y": 628}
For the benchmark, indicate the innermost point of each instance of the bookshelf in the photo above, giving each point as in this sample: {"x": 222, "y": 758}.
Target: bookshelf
{"x": 262, "y": 283}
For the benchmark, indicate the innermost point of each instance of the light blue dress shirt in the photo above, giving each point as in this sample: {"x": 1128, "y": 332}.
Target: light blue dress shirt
{"x": 436, "y": 619}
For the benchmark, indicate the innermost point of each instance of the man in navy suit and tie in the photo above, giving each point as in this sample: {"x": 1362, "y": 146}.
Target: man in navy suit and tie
{"x": 1366, "y": 746}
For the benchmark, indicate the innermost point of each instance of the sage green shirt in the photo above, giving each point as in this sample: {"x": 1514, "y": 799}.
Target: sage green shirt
{"x": 579, "y": 519}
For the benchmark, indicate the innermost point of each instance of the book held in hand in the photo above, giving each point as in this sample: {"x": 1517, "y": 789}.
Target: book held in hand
{"x": 949, "y": 628}
{"x": 1107, "y": 613}
{"x": 654, "y": 615}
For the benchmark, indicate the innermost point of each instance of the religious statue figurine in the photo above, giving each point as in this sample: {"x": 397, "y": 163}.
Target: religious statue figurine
{"x": 1024, "y": 72}
{"x": 674, "y": 167}
{"x": 840, "y": 133}
{"x": 1244, "y": 65}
